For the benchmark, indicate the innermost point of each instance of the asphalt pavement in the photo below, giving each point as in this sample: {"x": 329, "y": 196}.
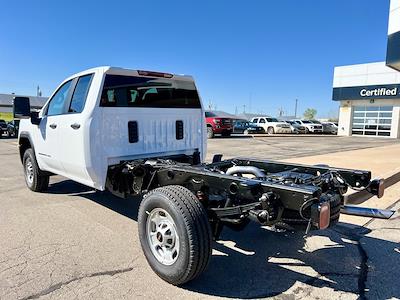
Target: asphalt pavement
{"x": 73, "y": 242}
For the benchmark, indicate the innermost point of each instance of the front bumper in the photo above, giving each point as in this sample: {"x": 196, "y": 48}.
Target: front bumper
{"x": 222, "y": 129}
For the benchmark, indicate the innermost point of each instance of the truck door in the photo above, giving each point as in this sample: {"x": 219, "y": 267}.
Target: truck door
{"x": 47, "y": 136}
{"x": 73, "y": 138}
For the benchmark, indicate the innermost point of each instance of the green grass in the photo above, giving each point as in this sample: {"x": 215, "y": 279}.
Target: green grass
{"x": 6, "y": 116}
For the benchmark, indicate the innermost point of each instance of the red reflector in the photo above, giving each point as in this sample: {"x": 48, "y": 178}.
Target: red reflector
{"x": 324, "y": 215}
{"x": 155, "y": 74}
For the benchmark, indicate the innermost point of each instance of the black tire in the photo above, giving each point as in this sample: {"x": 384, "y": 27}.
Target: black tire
{"x": 307, "y": 131}
{"x": 193, "y": 230}
{"x": 210, "y": 132}
{"x": 38, "y": 182}
{"x": 270, "y": 130}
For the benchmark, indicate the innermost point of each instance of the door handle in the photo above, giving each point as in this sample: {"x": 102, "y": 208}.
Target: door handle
{"x": 75, "y": 126}
{"x": 53, "y": 126}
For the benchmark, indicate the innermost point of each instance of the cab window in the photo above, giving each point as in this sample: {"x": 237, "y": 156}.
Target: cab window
{"x": 255, "y": 120}
{"x": 80, "y": 94}
{"x": 262, "y": 120}
{"x": 58, "y": 102}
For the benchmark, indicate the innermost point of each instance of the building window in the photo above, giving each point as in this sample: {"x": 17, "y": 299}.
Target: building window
{"x": 372, "y": 120}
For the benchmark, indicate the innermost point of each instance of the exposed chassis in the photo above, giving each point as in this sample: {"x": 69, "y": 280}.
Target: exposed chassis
{"x": 237, "y": 190}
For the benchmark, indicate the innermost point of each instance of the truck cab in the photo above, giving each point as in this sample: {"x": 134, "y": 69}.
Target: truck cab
{"x": 134, "y": 113}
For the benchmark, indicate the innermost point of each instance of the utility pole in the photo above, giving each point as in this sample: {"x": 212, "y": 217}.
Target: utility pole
{"x": 244, "y": 108}
{"x": 280, "y": 111}
{"x": 295, "y": 108}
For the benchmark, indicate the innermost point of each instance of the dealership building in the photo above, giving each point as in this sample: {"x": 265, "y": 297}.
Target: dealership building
{"x": 6, "y": 104}
{"x": 369, "y": 94}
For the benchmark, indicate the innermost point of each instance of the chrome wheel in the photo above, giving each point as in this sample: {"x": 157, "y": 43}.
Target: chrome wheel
{"x": 162, "y": 236}
{"x": 29, "y": 174}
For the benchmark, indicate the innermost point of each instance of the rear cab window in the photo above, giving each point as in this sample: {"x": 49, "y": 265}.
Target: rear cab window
{"x": 136, "y": 91}
{"x": 80, "y": 93}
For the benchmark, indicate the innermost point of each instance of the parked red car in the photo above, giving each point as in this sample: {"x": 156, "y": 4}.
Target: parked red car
{"x": 218, "y": 125}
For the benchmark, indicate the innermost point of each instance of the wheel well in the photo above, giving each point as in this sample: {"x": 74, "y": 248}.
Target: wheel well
{"x": 209, "y": 125}
{"x": 24, "y": 144}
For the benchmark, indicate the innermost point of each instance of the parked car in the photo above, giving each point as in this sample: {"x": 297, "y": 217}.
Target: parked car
{"x": 272, "y": 125}
{"x": 3, "y": 127}
{"x": 218, "y": 125}
{"x": 246, "y": 127}
{"x": 330, "y": 127}
{"x": 310, "y": 127}
{"x": 296, "y": 128}
{"x": 12, "y": 128}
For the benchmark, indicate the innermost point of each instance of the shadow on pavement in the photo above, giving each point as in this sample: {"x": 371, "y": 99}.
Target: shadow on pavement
{"x": 257, "y": 262}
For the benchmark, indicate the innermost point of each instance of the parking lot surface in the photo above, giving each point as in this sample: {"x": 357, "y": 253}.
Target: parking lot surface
{"x": 283, "y": 146}
{"x": 73, "y": 242}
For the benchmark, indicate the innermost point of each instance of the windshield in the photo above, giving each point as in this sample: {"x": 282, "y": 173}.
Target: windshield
{"x": 307, "y": 122}
{"x": 135, "y": 91}
{"x": 272, "y": 119}
{"x": 315, "y": 122}
{"x": 209, "y": 114}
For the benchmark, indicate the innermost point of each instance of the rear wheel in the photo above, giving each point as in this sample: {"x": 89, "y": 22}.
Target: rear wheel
{"x": 35, "y": 179}
{"x": 174, "y": 233}
{"x": 210, "y": 132}
{"x": 246, "y": 132}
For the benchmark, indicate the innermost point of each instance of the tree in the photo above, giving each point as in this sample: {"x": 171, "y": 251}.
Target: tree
{"x": 310, "y": 113}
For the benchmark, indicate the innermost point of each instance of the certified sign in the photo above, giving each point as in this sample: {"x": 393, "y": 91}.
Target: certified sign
{"x": 389, "y": 91}
{"x": 378, "y": 92}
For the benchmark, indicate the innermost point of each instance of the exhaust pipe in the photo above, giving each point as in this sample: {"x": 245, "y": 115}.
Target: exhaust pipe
{"x": 245, "y": 170}
{"x": 367, "y": 212}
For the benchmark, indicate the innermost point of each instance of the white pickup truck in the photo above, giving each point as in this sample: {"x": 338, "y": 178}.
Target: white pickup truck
{"x": 143, "y": 133}
{"x": 272, "y": 125}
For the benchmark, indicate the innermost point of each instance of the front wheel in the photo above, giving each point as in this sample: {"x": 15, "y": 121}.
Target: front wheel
{"x": 174, "y": 233}
{"x": 35, "y": 179}
{"x": 270, "y": 130}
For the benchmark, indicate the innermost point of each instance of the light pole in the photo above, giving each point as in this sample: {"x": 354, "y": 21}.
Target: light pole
{"x": 295, "y": 108}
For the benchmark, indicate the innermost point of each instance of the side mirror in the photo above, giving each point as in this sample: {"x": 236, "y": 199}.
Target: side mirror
{"x": 21, "y": 108}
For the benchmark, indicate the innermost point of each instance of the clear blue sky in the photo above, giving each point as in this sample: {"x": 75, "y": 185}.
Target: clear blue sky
{"x": 271, "y": 52}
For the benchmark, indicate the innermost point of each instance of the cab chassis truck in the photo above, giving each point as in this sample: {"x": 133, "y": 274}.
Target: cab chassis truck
{"x": 135, "y": 132}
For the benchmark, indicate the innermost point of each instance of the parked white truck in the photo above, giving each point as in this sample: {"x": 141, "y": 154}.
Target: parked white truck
{"x": 143, "y": 133}
{"x": 272, "y": 125}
